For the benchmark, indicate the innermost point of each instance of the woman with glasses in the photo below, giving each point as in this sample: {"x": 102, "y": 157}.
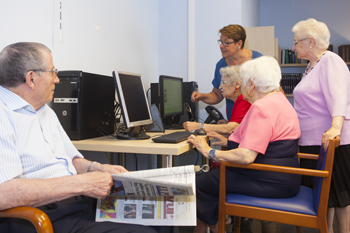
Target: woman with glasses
{"x": 231, "y": 43}
{"x": 322, "y": 102}
{"x": 229, "y": 88}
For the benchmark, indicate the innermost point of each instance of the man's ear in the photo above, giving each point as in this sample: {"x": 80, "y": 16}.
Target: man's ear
{"x": 30, "y": 79}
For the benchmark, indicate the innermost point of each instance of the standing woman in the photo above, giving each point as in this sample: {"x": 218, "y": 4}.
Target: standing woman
{"x": 231, "y": 43}
{"x": 322, "y": 102}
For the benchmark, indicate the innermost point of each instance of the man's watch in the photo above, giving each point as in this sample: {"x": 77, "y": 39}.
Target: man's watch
{"x": 212, "y": 154}
{"x": 202, "y": 125}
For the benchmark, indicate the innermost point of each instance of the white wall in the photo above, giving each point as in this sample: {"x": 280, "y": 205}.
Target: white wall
{"x": 29, "y": 22}
{"x": 173, "y": 38}
{"x": 98, "y": 36}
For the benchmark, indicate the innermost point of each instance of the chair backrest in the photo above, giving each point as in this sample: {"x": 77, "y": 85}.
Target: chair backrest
{"x": 321, "y": 162}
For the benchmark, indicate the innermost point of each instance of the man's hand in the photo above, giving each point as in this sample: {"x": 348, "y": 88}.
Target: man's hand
{"x": 112, "y": 169}
{"x": 189, "y": 126}
{"x": 95, "y": 184}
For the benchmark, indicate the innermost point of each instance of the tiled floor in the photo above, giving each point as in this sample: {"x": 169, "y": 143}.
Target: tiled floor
{"x": 269, "y": 228}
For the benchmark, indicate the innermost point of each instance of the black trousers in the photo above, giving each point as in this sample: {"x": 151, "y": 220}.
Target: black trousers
{"x": 78, "y": 215}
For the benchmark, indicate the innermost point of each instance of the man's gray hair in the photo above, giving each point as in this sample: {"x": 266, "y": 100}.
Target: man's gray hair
{"x": 19, "y": 58}
{"x": 264, "y": 72}
{"x": 311, "y": 28}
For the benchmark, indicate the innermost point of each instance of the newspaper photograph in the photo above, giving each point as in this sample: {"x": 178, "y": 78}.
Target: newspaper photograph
{"x": 163, "y": 196}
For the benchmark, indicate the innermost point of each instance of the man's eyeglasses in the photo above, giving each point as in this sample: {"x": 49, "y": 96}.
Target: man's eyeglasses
{"x": 52, "y": 71}
{"x": 297, "y": 41}
{"x": 225, "y": 43}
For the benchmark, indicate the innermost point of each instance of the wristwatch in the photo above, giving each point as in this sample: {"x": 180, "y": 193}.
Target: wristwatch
{"x": 212, "y": 154}
{"x": 202, "y": 125}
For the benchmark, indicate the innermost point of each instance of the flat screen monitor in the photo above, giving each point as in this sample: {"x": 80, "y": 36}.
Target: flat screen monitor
{"x": 171, "y": 103}
{"x": 134, "y": 104}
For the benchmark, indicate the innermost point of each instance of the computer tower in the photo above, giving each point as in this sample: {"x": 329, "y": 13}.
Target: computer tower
{"x": 188, "y": 88}
{"x": 84, "y": 104}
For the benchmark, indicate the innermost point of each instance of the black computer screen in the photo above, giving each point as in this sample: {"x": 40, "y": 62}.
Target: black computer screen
{"x": 132, "y": 98}
{"x": 171, "y": 103}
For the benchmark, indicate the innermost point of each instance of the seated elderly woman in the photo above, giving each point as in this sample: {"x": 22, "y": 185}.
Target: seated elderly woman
{"x": 229, "y": 88}
{"x": 268, "y": 134}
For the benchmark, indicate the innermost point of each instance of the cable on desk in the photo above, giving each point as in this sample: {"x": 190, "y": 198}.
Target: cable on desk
{"x": 105, "y": 133}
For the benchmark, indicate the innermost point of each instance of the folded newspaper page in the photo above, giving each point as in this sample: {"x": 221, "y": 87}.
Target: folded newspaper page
{"x": 164, "y": 196}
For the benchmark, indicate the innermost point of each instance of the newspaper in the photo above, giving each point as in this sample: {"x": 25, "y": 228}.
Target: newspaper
{"x": 164, "y": 196}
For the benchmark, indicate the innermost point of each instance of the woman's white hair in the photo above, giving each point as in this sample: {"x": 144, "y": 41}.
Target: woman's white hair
{"x": 232, "y": 73}
{"x": 311, "y": 28}
{"x": 264, "y": 72}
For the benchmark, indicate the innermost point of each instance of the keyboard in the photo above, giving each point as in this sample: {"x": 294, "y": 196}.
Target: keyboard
{"x": 175, "y": 137}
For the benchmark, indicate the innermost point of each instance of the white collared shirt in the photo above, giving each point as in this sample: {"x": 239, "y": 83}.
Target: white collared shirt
{"x": 33, "y": 144}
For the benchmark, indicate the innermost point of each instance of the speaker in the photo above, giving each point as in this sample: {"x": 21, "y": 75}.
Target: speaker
{"x": 84, "y": 104}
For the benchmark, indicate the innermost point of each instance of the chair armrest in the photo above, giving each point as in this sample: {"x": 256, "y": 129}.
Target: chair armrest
{"x": 274, "y": 168}
{"x": 307, "y": 156}
{"x": 36, "y": 216}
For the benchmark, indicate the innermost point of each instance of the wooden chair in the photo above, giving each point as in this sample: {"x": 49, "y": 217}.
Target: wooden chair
{"x": 37, "y": 217}
{"x": 307, "y": 209}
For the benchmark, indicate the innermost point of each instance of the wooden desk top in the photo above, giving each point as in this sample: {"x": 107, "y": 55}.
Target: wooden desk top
{"x": 104, "y": 144}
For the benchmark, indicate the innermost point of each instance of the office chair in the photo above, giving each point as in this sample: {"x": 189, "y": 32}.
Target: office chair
{"x": 37, "y": 217}
{"x": 307, "y": 209}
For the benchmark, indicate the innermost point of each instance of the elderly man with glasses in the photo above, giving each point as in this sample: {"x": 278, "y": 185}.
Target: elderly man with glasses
{"x": 39, "y": 166}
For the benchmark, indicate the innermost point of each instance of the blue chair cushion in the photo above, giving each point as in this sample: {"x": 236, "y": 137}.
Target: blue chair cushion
{"x": 302, "y": 203}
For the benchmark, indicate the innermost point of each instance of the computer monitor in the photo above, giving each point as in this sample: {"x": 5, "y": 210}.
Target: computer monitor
{"x": 134, "y": 104}
{"x": 170, "y": 100}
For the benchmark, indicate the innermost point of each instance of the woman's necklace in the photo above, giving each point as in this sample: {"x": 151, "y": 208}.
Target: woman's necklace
{"x": 308, "y": 66}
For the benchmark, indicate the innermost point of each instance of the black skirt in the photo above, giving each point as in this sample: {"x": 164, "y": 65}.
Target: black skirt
{"x": 339, "y": 195}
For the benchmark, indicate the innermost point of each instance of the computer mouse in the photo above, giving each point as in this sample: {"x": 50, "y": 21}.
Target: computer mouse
{"x": 199, "y": 132}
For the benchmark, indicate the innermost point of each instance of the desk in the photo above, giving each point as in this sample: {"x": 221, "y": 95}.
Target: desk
{"x": 105, "y": 144}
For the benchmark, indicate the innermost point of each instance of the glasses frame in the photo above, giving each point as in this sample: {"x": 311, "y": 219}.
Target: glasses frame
{"x": 225, "y": 44}
{"x": 223, "y": 82}
{"x": 52, "y": 71}
{"x": 297, "y": 41}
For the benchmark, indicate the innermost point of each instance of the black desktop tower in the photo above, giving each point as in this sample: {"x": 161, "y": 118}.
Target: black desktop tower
{"x": 84, "y": 104}
{"x": 188, "y": 88}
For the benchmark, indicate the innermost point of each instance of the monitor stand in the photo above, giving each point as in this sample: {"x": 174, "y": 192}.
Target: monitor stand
{"x": 133, "y": 134}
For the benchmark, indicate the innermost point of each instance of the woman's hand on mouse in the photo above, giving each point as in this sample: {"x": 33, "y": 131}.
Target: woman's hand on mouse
{"x": 189, "y": 126}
